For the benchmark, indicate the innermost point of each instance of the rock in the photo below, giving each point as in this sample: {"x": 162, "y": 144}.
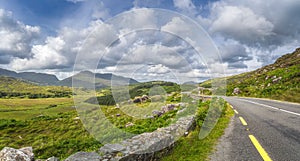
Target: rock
{"x": 11, "y": 154}
{"x": 276, "y": 80}
{"x": 274, "y": 77}
{"x": 169, "y": 107}
{"x": 298, "y": 56}
{"x": 236, "y": 91}
{"x": 157, "y": 113}
{"x": 52, "y": 159}
{"x": 84, "y": 156}
{"x": 112, "y": 148}
{"x": 145, "y": 98}
{"x": 76, "y": 118}
{"x": 129, "y": 124}
{"x": 137, "y": 100}
{"x": 28, "y": 151}
{"x": 267, "y": 77}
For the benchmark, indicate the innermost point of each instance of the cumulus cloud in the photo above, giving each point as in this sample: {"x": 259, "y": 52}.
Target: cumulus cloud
{"x": 235, "y": 55}
{"x": 158, "y": 69}
{"x": 186, "y": 6}
{"x": 16, "y": 37}
{"x": 245, "y": 31}
{"x": 44, "y": 56}
{"x": 251, "y": 25}
{"x": 240, "y": 23}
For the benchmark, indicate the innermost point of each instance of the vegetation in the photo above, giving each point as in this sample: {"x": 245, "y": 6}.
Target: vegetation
{"x": 59, "y": 135}
{"x": 276, "y": 81}
{"x": 23, "y": 109}
{"x": 191, "y": 147}
{"x": 52, "y": 127}
{"x": 16, "y": 88}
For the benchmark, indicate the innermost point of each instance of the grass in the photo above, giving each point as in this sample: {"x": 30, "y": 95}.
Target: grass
{"x": 16, "y": 88}
{"x": 22, "y": 109}
{"x": 59, "y": 135}
{"x": 51, "y": 127}
{"x": 191, "y": 148}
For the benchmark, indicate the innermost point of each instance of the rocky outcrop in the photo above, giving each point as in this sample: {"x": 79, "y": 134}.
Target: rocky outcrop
{"x": 23, "y": 154}
{"x": 11, "y": 154}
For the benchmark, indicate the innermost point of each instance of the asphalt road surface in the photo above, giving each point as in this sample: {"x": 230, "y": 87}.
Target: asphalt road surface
{"x": 261, "y": 130}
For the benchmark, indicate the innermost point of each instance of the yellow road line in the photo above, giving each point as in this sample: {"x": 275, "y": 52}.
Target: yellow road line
{"x": 243, "y": 121}
{"x": 236, "y": 111}
{"x": 231, "y": 106}
{"x": 260, "y": 149}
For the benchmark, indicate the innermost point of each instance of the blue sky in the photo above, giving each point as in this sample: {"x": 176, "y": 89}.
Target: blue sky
{"x": 44, "y": 35}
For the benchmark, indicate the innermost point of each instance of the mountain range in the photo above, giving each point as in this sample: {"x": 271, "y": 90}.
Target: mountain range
{"x": 82, "y": 79}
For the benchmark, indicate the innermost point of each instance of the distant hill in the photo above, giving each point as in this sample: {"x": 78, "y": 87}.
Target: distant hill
{"x": 13, "y": 87}
{"x": 83, "y": 79}
{"x": 86, "y": 79}
{"x": 40, "y": 78}
{"x": 280, "y": 80}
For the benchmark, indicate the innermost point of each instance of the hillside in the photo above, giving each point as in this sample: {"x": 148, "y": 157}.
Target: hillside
{"x": 82, "y": 79}
{"x": 13, "y": 87}
{"x": 40, "y": 78}
{"x": 279, "y": 80}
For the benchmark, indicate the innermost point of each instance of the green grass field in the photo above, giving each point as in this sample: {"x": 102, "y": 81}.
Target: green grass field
{"x": 51, "y": 126}
{"x": 23, "y": 109}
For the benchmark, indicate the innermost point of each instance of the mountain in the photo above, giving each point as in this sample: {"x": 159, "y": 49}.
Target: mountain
{"x": 82, "y": 79}
{"x": 280, "y": 80}
{"x": 39, "y": 78}
{"x": 86, "y": 79}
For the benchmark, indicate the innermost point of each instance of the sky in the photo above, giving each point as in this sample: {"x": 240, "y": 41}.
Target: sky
{"x": 175, "y": 40}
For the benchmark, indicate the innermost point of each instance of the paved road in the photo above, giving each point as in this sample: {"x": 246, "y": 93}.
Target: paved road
{"x": 275, "y": 125}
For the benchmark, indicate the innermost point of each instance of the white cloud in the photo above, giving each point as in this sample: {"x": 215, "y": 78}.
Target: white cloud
{"x": 158, "y": 69}
{"x": 240, "y": 23}
{"x": 185, "y": 6}
{"x": 60, "y": 51}
{"x": 44, "y": 56}
{"x": 16, "y": 37}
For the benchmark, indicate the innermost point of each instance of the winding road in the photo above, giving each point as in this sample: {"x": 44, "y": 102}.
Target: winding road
{"x": 261, "y": 130}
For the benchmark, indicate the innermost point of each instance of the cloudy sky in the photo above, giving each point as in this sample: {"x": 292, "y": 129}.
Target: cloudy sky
{"x": 178, "y": 40}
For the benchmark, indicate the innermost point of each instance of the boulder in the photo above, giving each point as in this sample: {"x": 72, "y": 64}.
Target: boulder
{"x": 276, "y": 80}
{"x": 129, "y": 124}
{"x": 28, "y": 151}
{"x": 236, "y": 91}
{"x": 11, "y": 154}
{"x": 137, "y": 100}
{"x": 157, "y": 113}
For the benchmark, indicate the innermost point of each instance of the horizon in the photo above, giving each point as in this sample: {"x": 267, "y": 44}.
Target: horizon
{"x": 47, "y": 37}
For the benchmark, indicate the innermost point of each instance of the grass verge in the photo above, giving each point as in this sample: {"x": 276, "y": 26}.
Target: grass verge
{"x": 191, "y": 148}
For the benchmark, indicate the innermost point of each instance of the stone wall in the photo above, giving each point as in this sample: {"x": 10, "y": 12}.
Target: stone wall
{"x": 146, "y": 146}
